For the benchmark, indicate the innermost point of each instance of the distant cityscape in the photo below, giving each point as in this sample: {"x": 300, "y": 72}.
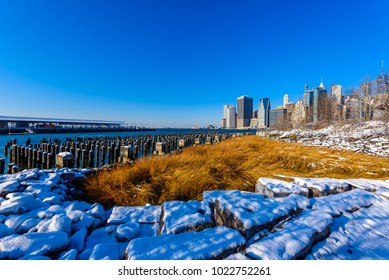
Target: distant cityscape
{"x": 318, "y": 107}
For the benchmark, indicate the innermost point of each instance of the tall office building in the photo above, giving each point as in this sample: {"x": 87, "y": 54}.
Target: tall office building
{"x": 336, "y": 92}
{"x": 312, "y": 100}
{"x": 263, "y": 112}
{"x": 245, "y": 111}
{"x": 231, "y": 117}
{"x": 286, "y": 100}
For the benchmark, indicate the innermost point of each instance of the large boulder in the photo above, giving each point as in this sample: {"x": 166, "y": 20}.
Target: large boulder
{"x": 250, "y": 213}
{"x": 42, "y": 243}
{"x": 180, "y": 216}
{"x": 211, "y": 243}
{"x": 294, "y": 239}
{"x": 277, "y": 188}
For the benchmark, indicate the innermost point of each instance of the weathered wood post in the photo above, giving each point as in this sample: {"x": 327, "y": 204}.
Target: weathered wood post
{"x": 2, "y": 165}
{"x": 91, "y": 159}
{"x": 9, "y": 168}
{"x": 34, "y": 158}
{"x": 64, "y": 159}
{"x": 49, "y": 161}
{"x": 15, "y": 169}
{"x": 83, "y": 158}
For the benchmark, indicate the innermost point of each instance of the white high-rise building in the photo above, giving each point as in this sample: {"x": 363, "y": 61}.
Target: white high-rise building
{"x": 231, "y": 117}
{"x": 337, "y": 93}
{"x": 263, "y": 112}
{"x": 286, "y": 100}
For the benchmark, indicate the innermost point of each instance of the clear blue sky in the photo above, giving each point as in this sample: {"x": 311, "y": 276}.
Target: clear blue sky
{"x": 176, "y": 63}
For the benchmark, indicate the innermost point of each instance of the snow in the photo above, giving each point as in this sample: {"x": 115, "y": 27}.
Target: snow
{"x": 8, "y": 186}
{"x": 16, "y": 246}
{"x": 5, "y": 231}
{"x": 294, "y": 239}
{"x": 368, "y": 184}
{"x": 179, "y": 216}
{"x": 68, "y": 255}
{"x": 128, "y": 231}
{"x": 59, "y": 222}
{"x": 142, "y": 214}
{"x": 19, "y": 205}
{"x": 359, "y": 235}
{"x": 384, "y": 192}
{"x": 237, "y": 257}
{"x": 250, "y": 213}
{"x": 208, "y": 244}
{"x": 105, "y": 251}
{"x": 278, "y": 188}
{"x": 77, "y": 240}
{"x": 340, "y": 203}
{"x": 78, "y": 205}
{"x": 323, "y": 186}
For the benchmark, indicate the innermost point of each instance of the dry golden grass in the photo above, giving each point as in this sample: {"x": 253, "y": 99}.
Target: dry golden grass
{"x": 233, "y": 164}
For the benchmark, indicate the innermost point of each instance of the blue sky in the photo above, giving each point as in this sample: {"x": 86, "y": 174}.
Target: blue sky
{"x": 176, "y": 63}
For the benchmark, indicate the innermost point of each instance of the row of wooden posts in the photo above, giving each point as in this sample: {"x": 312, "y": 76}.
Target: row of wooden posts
{"x": 98, "y": 151}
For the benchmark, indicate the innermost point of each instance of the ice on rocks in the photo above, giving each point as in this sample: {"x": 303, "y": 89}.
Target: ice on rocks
{"x": 42, "y": 243}
{"x": 128, "y": 231}
{"x": 277, "y": 188}
{"x": 250, "y": 213}
{"x": 349, "y": 201}
{"x": 323, "y": 186}
{"x": 180, "y": 216}
{"x": 211, "y": 243}
{"x": 294, "y": 239}
{"x": 142, "y": 214}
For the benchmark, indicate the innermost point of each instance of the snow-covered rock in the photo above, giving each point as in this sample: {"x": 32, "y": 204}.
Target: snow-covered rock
{"x": 250, "y": 213}
{"x": 323, "y": 186}
{"x": 294, "y": 239}
{"x": 142, "y": 214}
{"x": 16, "y": 246}
{"x": 340, "y": 203}
{"x": 128, "y": 231}
{"x": 179, "y": 216}
{"x": 369, "y": 185}
{"x": 384, "y": 192}
{"x": 20, "y": 205}
{"x": 277, "y": 188}
{"x": 7, "y": 187}
{"x": 359, "y": 235}
{"x": 105, "y": 251}
{"x": 211, "y": 243}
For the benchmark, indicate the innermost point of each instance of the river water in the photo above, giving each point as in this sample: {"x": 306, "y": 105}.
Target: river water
{"x": 36, "y": 138}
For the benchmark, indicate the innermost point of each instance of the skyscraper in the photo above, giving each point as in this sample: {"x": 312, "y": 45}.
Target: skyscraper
{"x": 312, "y": 98}
{"x": 231, "y": 117}
{"x": 286, "y": 100}
{"x": 245, "y": 111}
{"x": 263, "y": 112}
{"x": 336, "y": 92}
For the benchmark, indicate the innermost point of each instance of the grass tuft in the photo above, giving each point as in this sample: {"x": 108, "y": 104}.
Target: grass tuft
{"x": 233, "y": 164}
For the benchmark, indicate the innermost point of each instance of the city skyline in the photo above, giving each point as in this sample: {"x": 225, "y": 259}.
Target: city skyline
{"x": 174, "y": 63}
